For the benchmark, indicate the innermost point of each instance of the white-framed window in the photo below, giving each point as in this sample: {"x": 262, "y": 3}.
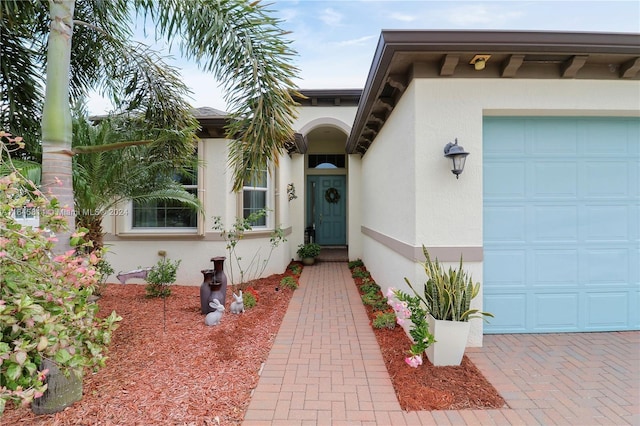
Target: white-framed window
{"x": 26, "y": 216}
{"x": 168, "y": 214}
{"x": 255, "y": 197}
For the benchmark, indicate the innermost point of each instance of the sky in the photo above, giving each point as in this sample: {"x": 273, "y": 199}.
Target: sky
{"x": 335, "y": 40}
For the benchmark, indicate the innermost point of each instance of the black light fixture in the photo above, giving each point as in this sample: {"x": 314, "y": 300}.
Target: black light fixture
{"x": 458, "y": 156}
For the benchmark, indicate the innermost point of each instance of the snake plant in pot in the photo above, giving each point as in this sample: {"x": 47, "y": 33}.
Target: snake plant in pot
{"x": 447, "y": 296}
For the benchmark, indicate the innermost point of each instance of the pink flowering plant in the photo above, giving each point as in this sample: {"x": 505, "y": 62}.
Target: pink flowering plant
{"x": 410, "y": 308}
{"x": 45, "y": 311}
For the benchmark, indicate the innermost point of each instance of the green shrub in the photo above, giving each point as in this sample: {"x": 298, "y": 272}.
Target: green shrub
{"x": 371, "y": 298}
{"x": 295, "y": 269}
{"x": 248, "y": 299}
{"x": 385, "y": 320}
{"x": 355, "y": 263}
{"x": 289, "y": 282}
{"x": 45, "y": 312}
{"x": 370, "y": 287}
{"x": 104, "y": 269}
{"x": 162, "y": 275}
{"x": 308, "y": 250}
{"x": 360, "y": 273}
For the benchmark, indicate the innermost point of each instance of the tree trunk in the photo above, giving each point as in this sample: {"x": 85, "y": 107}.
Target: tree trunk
{"x": 94, "y": 224}
{"x": 56, "y": 117}
{"x": 61, "y": 391}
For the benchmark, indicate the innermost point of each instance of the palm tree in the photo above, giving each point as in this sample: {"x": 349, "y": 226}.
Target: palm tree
{"x": 103, "y": 179}
{"x": 235, "y": 40}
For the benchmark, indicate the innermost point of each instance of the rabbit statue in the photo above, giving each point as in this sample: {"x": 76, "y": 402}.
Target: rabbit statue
{"x": 237, "y": 306}
{"x": 213, "y": 318}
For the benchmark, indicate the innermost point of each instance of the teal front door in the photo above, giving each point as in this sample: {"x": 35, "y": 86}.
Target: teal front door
{"x": 326, "y": 209}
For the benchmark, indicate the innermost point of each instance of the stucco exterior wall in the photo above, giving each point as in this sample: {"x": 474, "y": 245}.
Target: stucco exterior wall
{"x": 354, "y": 207}
{"x": 130, "y": 249}
{"x": 310, "y": 117}
{"x": 421, "y": 202}
{"x": 388, "y": 194}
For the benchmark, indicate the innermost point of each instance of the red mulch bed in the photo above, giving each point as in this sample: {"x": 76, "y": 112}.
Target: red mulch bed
{"x": 183, "y": 372}
{"x": 429, "y": 387}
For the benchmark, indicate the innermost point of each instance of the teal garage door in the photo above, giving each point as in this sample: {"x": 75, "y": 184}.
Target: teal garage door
{"x": 561, "y": 224}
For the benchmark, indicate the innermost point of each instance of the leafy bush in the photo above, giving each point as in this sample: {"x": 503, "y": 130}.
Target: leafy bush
{"x": 45, "y": 311}
{"x": 411, "y": 307}
{"x": 254, "y": 292}
{"x": 385, "y": 320}
{"x": 295, "y": 268}
{"x": 256, "y": 266}
{"x": 374, "y": 299}
{"x": 289, "y": 282}
{"x": 249, "y": 299}
{"x": 370, "y": 287}
{"x": 355, "y": 263}
{"x": 359, "y": 272}
{"x": 162, "y": 275}
{"x": 308, "y": 250}
{"x": 104, "y": 269}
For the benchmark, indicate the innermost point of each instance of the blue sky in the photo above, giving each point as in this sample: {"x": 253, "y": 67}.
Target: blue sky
{"x": 335, "y": 40}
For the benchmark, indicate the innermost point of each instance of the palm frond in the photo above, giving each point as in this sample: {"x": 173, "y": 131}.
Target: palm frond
{"x": 170, "y": 194}
{"x": 29, "y": 169}
{"x": 247, "y": 51}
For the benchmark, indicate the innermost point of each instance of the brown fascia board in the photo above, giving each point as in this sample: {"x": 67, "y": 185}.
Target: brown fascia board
{"x": 544, "y": 42}
{"x": 311, "y": 96}
{"x": 327, "y": 93}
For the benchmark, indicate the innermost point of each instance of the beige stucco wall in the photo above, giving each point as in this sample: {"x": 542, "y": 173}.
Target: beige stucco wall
{"x": 410, "y": 197}
{"x": 310, "y": 118}
{"x": 130, "y": 249}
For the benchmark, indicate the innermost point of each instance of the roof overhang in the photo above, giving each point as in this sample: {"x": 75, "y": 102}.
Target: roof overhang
{"x": 328, "y": 97}
{"x": 402, "y": 55}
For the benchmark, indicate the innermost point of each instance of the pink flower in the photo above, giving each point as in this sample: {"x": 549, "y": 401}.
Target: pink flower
{"x": 414, "y": 361}
{"x": 3, "y": 253}
{"x": 400, "y": 321}
{"x": 42, "y": 375}
{"x": 391, "y": 292}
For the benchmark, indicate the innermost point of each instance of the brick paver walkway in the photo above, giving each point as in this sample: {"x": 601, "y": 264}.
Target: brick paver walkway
{"x": 325, "y": 368}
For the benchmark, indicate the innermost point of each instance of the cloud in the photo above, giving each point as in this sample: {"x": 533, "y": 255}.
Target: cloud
{"x": 331, "y": 17}
{"x": 288, "y": 14}
{"x": 480, "y": 15}
{"x": 403, "y": 17}
{"x": 356, "y": 41}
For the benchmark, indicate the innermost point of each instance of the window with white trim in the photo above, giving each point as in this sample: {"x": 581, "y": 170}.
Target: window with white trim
{"x": 168, "y": 214}
{"x": 26, "y": 216}
{"x": 255, "y": 194}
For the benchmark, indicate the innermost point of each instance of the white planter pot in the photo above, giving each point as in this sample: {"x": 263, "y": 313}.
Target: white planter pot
{"x": 451, "y": 341}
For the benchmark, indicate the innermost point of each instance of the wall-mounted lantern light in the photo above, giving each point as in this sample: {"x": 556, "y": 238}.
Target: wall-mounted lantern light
{"x": 458, "y": 156}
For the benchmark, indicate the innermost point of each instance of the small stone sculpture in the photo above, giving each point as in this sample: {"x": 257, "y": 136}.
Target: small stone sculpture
{"x": 237, "y": 306}
{"x": 136, "y": 273}
{"x": 213, "y": 318}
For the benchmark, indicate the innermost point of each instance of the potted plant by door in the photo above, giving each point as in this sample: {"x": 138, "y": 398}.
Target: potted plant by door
{"x": 447, "y": 298}
{"x": 308, "y": 253}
